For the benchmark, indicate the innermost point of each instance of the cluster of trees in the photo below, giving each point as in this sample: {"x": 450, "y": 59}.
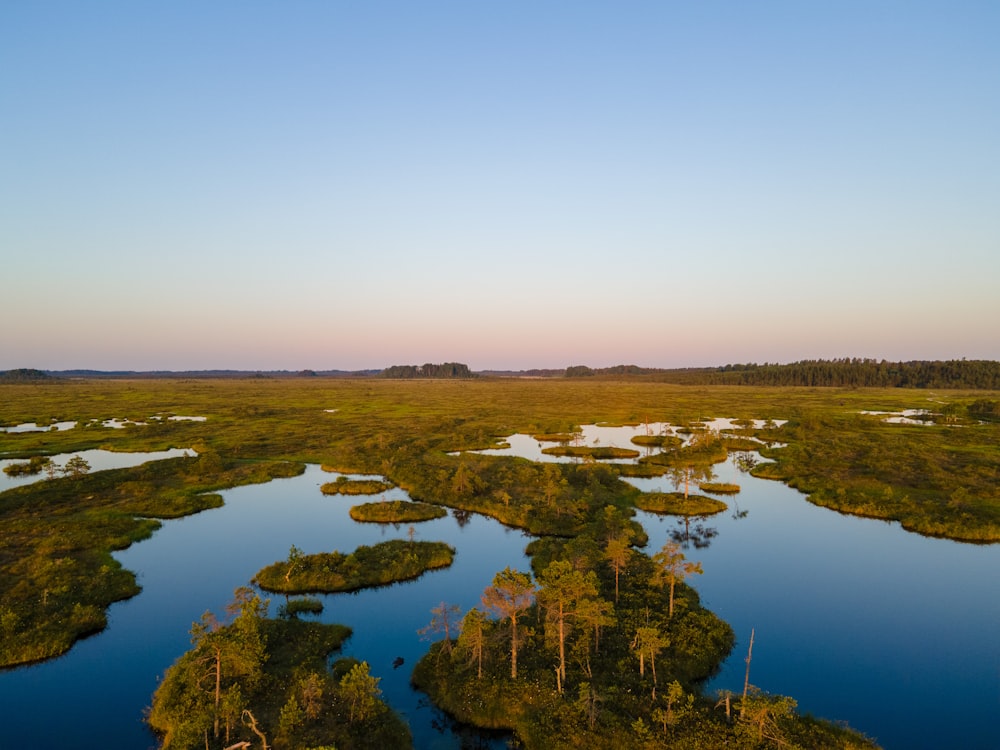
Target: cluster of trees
{"x": 76, "y": 466}
{"x": 602, "y": 646}
{"x": 249, "y": 680}
{"x": 985, "y": 409}
{"x": 445, "y": 370}
{"x": 25, "y": 375}
{"x": 849, "y": 372}
{"x": 867, "y": 373}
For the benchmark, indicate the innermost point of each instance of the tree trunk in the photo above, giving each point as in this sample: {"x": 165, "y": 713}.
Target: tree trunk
{"x": 513, "y": 646}
{"x": 746, "y": 680}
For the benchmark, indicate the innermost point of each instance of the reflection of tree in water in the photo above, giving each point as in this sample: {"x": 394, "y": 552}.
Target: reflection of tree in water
{"x": 462, "y": 517}
{"x": 745, "y": 461}
{"x": 693, "y": 533}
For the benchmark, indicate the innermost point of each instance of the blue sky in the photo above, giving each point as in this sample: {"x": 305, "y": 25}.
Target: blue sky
{"x": 345, "y": 185}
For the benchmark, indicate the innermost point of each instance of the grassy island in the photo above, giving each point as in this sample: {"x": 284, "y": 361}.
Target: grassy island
{"x": 345, "y": 486}
{"x": 259, "y": 680}
{"x": 657, "y": 441}
{"x": 719, "y": 488}
{"x": 378, "y": 565}
{"x": 677, "y": 504}
{"x": 598, "y": 452}
{"x": 397, "y": 511}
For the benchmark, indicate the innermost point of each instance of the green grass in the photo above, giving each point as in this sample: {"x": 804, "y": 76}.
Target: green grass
{"x": 345, "y": 486}
{"x": 396, "y": 511}
{"x": 676, "y": 504}
{"x": 378, "y": 565}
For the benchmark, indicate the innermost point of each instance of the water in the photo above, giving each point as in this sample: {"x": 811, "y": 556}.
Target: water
{"x": 98, "y": 459}
{"x": 98, "y": 691}
{"x": 860, "y": 621}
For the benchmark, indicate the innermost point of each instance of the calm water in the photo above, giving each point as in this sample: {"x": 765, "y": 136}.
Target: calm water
{"x": 860, "y": 621}
{"x": 97, "y": 459}
{"x": 98, "y": 691}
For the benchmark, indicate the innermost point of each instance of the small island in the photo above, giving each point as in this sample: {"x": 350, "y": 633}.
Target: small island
{"x": 598, "y": 453}
{"x": 397, "y": 511}
{"x": 331, "y": 572}
{"x": 251, "y": 679}
{"x": 719, "y": 488}
{"x": 345, "y": 486}
{"x": 677, "y": 504}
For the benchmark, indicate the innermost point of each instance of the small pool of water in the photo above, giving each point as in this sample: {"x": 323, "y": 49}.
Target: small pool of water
{"x": 97, "y": 459}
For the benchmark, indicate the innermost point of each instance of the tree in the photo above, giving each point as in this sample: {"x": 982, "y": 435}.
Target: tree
{"x": 617, "y": 553}
{"x": 76, "y": 467}
{"x": 596, "y": 613}
{"x": 311, "y": 689}
{"x": 361, "y": 691}
{"x": 679, "y": 705}
{"x": 688, "y": 472}
{"x": 510, "y": 595}
{"x": 295, "y": 556}
{"x": 761, "y": 714}
{"x": 204, "y": 690}
{"x": 671, "y": 569}
{"x": 562, "y": 591}
{"x": 472, "y": 638}
{"x": 648, "y": 643}
{"x": 443, "y": 620}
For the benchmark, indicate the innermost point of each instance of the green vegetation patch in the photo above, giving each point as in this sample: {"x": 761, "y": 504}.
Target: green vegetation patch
{"x": 597, "y": 452}
{"x": 302, "y": 605}
{"x": 675, "y": 503}
{"x": 397, "y": 511}
{"x": 642, "y": 470}
{"x": 345, "y": 486}
{"x": 657, "y": 441}
{"x": 378, "y": 565}
{"x": 719, "y": 488}
{"x": 57, "y": 575}
{"x": 34, "y": 465}
{"x": 604, "y": 647}
{"x": 266, "y": 683}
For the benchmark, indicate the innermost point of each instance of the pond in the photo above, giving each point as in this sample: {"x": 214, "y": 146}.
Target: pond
{"x": 97, "y": 459}
{"x": 860, "y": 621}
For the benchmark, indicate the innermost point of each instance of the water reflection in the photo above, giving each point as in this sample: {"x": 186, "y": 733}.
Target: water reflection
{"x": 695, "y": 534}
{"x": 97, "y": 459}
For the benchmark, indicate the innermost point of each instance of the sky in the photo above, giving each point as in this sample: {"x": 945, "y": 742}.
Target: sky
{"x": 513, "y": 185}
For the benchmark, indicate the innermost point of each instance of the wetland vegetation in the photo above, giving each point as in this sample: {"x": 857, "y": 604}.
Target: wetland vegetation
{"x": 58, "y": 575}
{"x": 378, "y": 565}
{"x": 397, "y": 511}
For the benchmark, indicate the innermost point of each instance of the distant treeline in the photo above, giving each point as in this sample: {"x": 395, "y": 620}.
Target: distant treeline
{"x": 24, "y": 375}
{"x": 445, "y": 370}
{"x": 847, "y": 372}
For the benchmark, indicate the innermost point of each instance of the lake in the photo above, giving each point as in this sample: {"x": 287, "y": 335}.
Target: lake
{"x": 857, "y": 619}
